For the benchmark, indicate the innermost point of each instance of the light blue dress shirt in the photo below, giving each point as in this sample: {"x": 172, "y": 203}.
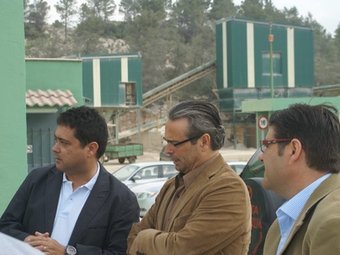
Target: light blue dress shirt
{"x": 69, "y": 207}
{"x": 288, "y": 213}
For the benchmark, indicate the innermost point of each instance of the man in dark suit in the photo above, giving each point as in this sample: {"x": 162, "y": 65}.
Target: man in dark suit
{"x": 74, "y": 206}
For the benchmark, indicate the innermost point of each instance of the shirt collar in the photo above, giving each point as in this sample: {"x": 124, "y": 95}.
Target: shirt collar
{"x": 294, "y": 206}
{"x": 189, "y": 177}
{"x": 89, "y": 185}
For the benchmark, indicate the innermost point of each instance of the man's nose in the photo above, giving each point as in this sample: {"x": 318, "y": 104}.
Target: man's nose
{"x": 55, "y": 147}
{"x": 168, "y": 149}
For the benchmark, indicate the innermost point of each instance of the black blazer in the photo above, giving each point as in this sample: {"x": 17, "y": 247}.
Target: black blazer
{"x": 102, "y": 226}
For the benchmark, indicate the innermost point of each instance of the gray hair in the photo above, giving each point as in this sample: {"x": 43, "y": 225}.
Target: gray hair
{"x": 203, "y": 118}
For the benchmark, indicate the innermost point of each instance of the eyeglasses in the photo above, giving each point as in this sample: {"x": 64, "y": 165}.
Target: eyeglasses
{"x": 175, "y": 144}
{"x": 265, "y": 143}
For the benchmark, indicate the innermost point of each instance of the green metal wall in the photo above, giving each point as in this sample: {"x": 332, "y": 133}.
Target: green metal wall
{"x": 55, "y": 74}
{"x": 238, "y": 57}
{"x": 304, "y": 56}
{"x": 13, "y": 167}
{"x": 108, "y": 86}
{"x": 219, "y": 55}
{"x": 261, "y": 32}
{"x": 110, "y": 77}
{"x": 237, "y": 54}
{"x": 87, "y": 80}
{"x": 243, "y": 66}
{"x": 135, "y": 72}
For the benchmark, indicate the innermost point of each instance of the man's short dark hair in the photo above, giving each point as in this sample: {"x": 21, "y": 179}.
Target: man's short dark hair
{"x": 317, "y": 128}
{"x": 89, "y": 126}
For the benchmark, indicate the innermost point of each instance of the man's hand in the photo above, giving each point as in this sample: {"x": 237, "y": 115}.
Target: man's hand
{"x": 44, "y": 243}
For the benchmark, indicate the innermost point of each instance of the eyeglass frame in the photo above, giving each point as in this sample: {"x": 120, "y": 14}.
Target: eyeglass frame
{"x": 266, "y": 142}
{"x": 176, "y": 144}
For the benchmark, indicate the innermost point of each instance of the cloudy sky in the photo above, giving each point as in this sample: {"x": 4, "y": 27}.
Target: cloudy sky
{"x": 325, "y": 12}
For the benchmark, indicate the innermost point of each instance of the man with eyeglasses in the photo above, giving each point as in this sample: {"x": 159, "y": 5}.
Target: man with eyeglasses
{"x": 301, "y": 155}
{"x": 205, "y": 209}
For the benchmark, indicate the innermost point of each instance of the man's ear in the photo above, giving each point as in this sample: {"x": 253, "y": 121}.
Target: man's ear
{"x": 92, "y": 149}
{"x": 296, "y": 148}
{"x": 205, "y": 140}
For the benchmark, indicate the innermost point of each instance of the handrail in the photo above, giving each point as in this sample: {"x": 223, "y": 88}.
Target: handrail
{"x": 178, "y": 82}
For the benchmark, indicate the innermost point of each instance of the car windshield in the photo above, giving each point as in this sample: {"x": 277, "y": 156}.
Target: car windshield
{"x": 254, "y": 167}
{"x": 237, "y": 167}
{"x": 124, "y": 172}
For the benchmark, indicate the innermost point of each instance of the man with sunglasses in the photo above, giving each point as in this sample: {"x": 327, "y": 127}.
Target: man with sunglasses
{"x": 205, "y": 209}
{"x": 301, "y": 155}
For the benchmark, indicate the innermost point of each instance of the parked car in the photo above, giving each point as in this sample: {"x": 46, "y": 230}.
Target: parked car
{"x": 164, "y": 156}
{"x": 237, "y": 166}
{"x": 146, "y": 194}
{"x": 254, "y": 166}
{"x": 264, "y": 202}
{"x": 142, "y": 172}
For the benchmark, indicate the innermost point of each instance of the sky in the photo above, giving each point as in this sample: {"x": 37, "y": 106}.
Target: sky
{"x": 325, "y": 12}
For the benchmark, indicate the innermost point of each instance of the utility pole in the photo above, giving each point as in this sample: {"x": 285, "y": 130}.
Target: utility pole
{"x": 271, "y": 40}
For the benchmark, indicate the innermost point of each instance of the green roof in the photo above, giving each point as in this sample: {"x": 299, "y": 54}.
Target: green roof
{"x": 274, "y": 104}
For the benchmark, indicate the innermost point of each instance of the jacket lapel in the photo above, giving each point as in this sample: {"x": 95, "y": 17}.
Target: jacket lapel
{"x": 94, "y": 202}
{"x": 272, "y": 239}
{"x": 326, "y": 187}
{"x": 53, "y": 186}
{"x": 202, "y": 179}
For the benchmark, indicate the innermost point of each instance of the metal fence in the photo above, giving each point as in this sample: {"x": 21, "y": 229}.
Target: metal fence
{"x": 39, "y": 147}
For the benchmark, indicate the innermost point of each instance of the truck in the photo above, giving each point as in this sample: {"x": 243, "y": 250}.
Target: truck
{"x": 123, "y": 151}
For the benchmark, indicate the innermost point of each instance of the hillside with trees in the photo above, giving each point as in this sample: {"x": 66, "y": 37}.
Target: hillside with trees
{"x": 172, "y": 36}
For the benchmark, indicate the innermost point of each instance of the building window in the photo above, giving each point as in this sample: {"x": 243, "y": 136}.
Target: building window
{"x": 129, "y": 89}
{"x": 277, "y": 64}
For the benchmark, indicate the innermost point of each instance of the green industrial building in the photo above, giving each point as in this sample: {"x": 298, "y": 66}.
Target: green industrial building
{"x": 112, "y": 84}
{"x": 257, "y": 60}
{"x": 113, "y": 81}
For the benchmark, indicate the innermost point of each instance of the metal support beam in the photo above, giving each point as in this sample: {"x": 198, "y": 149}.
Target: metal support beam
{"x": 177, "y": 83}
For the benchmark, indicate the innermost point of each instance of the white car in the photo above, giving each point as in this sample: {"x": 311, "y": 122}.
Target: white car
{"x": 146, "y": 194}
{"x": 142, "y": 172}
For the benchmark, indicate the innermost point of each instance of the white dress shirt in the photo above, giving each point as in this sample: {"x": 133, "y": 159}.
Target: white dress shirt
{"x": 69, "y": 207}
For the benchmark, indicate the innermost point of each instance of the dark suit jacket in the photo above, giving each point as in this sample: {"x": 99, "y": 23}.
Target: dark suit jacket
{"x": 103, "y": 223}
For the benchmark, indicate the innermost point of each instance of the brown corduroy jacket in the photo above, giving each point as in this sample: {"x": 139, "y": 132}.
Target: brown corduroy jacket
{"x": 212, "y": 217}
